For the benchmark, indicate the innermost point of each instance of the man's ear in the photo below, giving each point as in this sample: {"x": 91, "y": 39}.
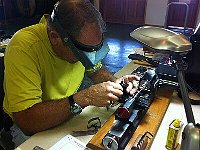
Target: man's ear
{"x": 54, "y": 37}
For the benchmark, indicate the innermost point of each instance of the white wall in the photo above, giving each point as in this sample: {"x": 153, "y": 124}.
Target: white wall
{"x": 156, "y": 12}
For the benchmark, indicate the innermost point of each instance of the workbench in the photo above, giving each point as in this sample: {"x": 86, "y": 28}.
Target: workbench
{"x": 170, "y": 109}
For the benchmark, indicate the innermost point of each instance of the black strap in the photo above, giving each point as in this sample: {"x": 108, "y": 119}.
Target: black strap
{"x": 7, "y": 122}
{"x": 71, "y": 99}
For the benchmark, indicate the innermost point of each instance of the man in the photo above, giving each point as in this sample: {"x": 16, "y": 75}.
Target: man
{"x": 45, "y": 65}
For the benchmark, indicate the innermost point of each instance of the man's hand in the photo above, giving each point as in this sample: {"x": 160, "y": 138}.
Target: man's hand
{"x": 130, "y": 80}
{"x": 100, "y": 94}
{"x": 105, "y": 93}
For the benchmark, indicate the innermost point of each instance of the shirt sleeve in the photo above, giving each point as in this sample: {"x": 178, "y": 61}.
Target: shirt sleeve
{"x": 22, "y": 82}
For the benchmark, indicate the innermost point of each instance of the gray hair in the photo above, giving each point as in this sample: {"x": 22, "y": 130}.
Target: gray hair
{"x": 73, "y": 14}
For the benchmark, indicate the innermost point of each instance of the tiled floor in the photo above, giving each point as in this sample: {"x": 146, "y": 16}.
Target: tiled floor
{"x": 120, "y": 44}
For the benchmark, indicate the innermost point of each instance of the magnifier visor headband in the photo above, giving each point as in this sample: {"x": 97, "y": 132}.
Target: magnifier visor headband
{"x": 87, "y": 48}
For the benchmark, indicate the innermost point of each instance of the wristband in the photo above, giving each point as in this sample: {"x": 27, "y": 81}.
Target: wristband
{"x": 74, "y": 107}
{"x": 96, "y": 68}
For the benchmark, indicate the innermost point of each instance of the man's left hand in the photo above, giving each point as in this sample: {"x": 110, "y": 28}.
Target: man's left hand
{"x": 130, "y": 80}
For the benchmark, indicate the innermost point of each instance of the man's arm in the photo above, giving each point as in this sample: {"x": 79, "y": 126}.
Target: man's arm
{"x": 42, "y": 116}
{"x": 101, "y": 76}
{"x": 45, "y": 115}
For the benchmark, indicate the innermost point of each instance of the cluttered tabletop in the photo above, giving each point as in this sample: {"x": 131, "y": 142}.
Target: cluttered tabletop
{"x": 166, "y": 107}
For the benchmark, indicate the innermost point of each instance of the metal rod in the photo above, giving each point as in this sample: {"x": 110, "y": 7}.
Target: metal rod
{"x": 184, "y": 92}
{"x": 186, "y": 13}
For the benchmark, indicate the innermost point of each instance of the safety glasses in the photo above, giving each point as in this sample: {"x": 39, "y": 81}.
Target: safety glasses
{"x": 87, "y": 48}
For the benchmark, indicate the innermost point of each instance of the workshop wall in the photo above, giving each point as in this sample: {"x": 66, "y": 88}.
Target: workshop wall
{"x": 11, "y": 9}
{"x": 7, "y": 8}
{"x": 155, "y": 12}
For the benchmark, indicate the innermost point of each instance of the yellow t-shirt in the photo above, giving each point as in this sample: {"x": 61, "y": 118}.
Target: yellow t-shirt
{"x": 34, "y": 73}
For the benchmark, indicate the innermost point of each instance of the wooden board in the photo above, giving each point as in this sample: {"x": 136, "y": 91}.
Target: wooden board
{"x": 150, "y": 122}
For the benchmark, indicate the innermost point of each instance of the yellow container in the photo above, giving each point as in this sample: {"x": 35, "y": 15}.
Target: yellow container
{"x": 174, "y": 134}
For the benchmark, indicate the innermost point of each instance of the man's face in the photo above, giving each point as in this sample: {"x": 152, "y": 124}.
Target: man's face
{"x": 90, "y": 35}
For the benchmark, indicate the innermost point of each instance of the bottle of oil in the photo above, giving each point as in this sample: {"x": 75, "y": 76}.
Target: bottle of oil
{"x": 174, "y": 134}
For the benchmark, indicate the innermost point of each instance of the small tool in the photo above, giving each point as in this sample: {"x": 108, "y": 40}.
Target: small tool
{"x": 142, "y": 141}
{"x": 93, "y": 125}
{"x": 38, "y": 148}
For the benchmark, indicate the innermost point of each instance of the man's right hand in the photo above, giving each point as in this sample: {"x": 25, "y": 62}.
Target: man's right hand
{"x": 99, "y": 95}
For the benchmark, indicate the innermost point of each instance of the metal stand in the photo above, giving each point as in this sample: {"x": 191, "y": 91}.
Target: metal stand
{"x": 181, "y": 67}
{"x": 191, "y": 134}
{"x": 186, "y": 14}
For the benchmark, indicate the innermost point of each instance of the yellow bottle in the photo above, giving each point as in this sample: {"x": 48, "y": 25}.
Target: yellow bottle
{"x": 174, "y": 134}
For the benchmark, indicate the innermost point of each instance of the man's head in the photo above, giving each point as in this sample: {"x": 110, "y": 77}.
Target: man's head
{"x": 75, "y": 24}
